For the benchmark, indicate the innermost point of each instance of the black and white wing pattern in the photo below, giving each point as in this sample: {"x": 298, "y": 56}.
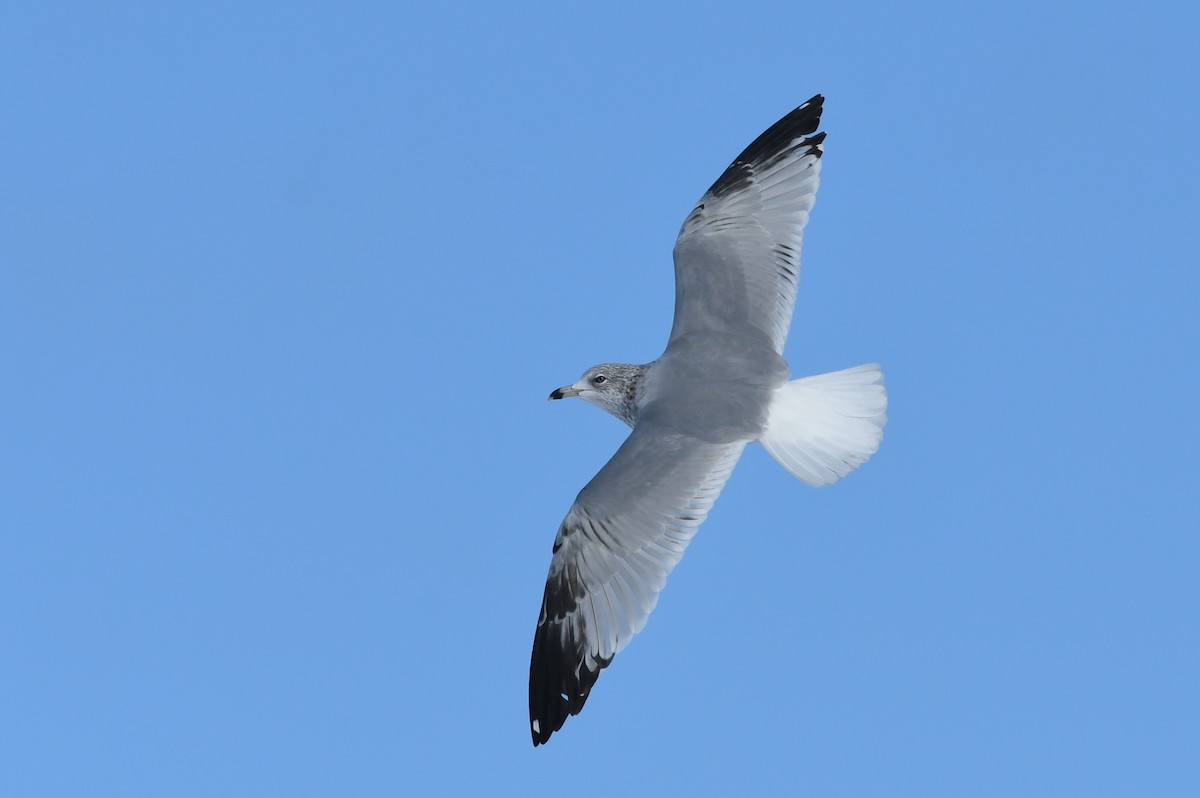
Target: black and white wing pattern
{"x": 626, "y": 531}
{"x": 737, "y": 258}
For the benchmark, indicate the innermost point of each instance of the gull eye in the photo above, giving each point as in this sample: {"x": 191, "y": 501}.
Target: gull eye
{"x": 599, "y": 379}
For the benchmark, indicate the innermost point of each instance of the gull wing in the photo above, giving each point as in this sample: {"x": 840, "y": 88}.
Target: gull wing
{"x": 737, "y": 257}
{"x": 626, "y": 531}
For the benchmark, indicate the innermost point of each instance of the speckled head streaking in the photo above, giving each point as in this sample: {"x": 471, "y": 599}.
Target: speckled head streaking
{"x": 613, "y": 387}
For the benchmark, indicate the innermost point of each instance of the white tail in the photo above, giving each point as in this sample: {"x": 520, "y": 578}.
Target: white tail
{"x": 821, "y": 428}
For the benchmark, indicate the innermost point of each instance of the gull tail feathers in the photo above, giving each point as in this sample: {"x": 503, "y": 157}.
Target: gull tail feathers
{"x": 823, "y": 427}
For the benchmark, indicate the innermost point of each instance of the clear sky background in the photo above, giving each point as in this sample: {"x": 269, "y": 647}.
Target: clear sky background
{"x": 283, "y": 289}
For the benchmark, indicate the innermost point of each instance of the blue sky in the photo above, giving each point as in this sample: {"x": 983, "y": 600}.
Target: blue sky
{"x": 282, "y": 293}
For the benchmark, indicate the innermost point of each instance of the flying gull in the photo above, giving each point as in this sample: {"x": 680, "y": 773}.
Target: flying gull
{"x": 721, "y": 383}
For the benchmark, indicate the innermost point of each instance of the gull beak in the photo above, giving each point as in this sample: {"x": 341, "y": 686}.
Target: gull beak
{"x": 564, "y": 392}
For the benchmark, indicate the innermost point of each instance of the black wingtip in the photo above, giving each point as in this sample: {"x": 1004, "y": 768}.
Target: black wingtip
{"x": 559, "y": 677}
{"x": 553, "y": 685}
{"x": 774, "y": 142}
{"x": 800, "y": 121}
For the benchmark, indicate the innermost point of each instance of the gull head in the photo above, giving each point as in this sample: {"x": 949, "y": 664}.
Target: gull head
{"x": 612, "y": 387}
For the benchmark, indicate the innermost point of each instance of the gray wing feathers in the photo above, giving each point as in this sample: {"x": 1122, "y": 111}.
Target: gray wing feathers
{"x": 625, "y": 533}
{"x": 737, "y": 258}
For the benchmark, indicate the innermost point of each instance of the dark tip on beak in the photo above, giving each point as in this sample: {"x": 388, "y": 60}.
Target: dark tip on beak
{"x": 564, "y": 392}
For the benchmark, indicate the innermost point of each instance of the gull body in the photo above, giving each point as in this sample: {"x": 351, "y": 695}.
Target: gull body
{"x": 721, "y": 383}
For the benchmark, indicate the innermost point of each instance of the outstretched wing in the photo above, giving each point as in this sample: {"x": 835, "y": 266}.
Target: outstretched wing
{"x": 737, "y": 257}
{"x": 626, "y": 531}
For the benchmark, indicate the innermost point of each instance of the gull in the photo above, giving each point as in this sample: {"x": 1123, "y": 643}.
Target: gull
{"x": 720, "y": 384}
